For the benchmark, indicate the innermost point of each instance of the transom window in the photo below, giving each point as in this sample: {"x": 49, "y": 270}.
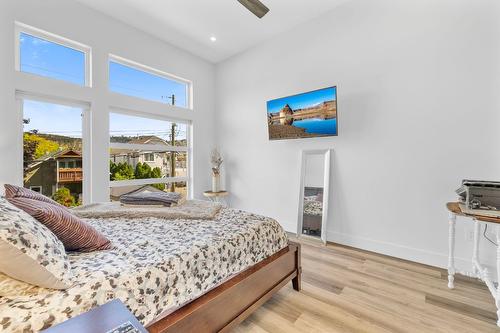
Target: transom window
{"x": 45, "y": 54}
{"x": 129, "y": 78}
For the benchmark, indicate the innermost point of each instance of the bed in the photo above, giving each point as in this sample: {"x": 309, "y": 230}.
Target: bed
{"x": 179, "y": 275}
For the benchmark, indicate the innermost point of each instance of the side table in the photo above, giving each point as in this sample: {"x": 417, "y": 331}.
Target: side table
{"x": 478, "y": 270}
{"x": 217, "y": 196}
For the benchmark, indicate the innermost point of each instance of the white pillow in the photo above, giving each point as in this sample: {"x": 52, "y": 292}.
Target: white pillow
{"x": 10, "y": 287}
{"x": 29, "y": 251}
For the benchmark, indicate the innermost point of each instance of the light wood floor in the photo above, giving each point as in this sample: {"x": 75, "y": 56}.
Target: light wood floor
{"x": 349, "y": 290}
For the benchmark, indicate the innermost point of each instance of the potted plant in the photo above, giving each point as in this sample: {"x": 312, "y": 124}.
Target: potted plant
{"x": 216, "y": 161}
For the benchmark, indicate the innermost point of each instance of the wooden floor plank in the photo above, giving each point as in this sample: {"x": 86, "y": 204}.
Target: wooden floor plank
{"x": 331, "y": 315}
{"x": 435, "y": 286}
{"x": 350, "y": 290}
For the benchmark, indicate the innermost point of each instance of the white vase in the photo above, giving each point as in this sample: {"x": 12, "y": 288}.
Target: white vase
{"x": 215, "y": 183}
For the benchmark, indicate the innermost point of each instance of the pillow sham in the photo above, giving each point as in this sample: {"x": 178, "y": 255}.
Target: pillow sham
{"x": 29, "y": 251}
{"x": 10, "y": 287}
{"x": 13, "y": 191}
{"x": 75, "y": 234}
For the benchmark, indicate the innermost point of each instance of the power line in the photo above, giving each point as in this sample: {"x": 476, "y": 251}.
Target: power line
{"x": 50, "y": 71}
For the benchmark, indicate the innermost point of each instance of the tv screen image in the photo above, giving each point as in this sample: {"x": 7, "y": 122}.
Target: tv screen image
{"x": 307, "y": 115}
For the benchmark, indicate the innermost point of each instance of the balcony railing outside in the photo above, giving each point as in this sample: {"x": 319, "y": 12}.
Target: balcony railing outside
{"x": 70, "y": 175}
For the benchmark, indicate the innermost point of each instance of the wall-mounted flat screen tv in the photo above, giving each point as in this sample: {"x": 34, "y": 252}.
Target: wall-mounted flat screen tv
{"x": 307, "y": 115}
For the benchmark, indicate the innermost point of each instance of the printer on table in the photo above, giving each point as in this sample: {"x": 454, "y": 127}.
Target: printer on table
{"x": 477, "y": 194}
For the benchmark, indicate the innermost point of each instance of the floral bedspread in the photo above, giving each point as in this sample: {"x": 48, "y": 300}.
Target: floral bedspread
{"x": 312, "y": 207}
{"x": 157, "y": 265}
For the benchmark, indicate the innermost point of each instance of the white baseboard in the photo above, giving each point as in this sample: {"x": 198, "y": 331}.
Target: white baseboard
{"x": 462, "y": 265}
{"x": 396, "y": 250}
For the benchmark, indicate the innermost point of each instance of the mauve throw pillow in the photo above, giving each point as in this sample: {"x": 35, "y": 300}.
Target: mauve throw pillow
{"x": 75, "y": 234}
{"x": 13, "y": 191}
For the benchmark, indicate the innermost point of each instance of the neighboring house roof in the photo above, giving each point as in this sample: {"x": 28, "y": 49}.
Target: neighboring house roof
{"x": 69, "y": 153}
{"x": 141, "y": 140}
{"x": 60, "y": 154}
{"x": 66, "y": 153}
{"x": 117, "y": 192}
{"x": 127, "y": 152}
{"x": 124, "y": 152}
{"x": 148, "y": 139}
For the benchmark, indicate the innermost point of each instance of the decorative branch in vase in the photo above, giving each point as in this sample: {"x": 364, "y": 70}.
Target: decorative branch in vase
{"x": 216, "y": 161}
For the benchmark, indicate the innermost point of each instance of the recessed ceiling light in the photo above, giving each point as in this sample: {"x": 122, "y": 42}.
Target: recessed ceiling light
{"x": 213, "y": 39}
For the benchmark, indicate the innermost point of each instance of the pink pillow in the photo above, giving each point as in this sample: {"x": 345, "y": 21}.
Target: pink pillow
{"x": 13, "y": 191}
{"x": 75, "y": 234}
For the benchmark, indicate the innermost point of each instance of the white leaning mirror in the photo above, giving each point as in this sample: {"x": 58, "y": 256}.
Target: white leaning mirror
{"x": 313, "y": 197}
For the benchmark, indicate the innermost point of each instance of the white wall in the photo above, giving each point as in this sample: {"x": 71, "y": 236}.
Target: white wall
{"x": 418, "y": 87}
{"x": 105, "y": 35}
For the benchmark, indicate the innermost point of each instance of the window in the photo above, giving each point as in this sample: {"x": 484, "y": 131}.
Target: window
{"x": 52, "y": 147}
{"x": 147, "y": 152}
{"x": 36, "y": 189}
{"x": 54, "y": 90}
{"x": 48, "y": 55}
{"x": 149, "y": 157}
{"x": 69, "y": 164}
{"x": 140, "y": 81}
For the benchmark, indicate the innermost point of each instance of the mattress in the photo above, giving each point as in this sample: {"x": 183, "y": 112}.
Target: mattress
{"x": 157, "y": 265}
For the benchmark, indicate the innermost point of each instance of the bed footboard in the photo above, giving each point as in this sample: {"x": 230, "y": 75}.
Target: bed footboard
{"x": 229, "y": 304}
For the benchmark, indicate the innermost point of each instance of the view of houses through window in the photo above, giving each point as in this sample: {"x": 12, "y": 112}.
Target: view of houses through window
{"x": 145, "y": 149}
{"x": 52, "y": 151}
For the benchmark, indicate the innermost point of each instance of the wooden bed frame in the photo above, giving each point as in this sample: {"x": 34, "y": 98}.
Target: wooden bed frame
{"x": 229, "y": 304}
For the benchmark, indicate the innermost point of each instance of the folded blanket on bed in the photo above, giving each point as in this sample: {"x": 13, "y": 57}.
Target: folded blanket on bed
{"x": 151, "y": 198}
{"x": 191, "y": 209}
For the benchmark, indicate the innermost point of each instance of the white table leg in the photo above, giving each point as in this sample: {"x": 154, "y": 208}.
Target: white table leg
{"x": 451, "y": 250}
{"x": 497, "y": 296}
{"x": 475, "y": 253}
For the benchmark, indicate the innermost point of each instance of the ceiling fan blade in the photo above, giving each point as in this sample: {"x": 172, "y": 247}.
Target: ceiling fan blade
{"x": 255, "y": 6}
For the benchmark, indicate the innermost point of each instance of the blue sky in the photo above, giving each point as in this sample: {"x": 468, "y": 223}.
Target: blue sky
{"x": 130, "y": 81}
{"x": 41, "y": 57}
{"x": 45, "y": 58}
{"x": 64, "y": 120}
{"x": 53, "y": 118}
{"x": 120, "y": 124}
{"x": 303, "y": 100}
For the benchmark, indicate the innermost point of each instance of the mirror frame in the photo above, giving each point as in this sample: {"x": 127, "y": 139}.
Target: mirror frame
{"x": 326, "y": 191}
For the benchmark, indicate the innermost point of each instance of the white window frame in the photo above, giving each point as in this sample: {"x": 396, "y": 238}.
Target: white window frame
{"x": 56, "y": 39}
{"x": 155, "y": 148}
{"x": 86, "y": 134}
{"x": 91, "y": 99}
{"x": 156, "y": 72}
